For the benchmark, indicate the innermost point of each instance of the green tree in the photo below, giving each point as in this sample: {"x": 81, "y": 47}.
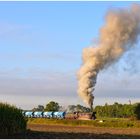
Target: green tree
{"x": 78, "y": 107}
{"x": 52, "y": 106}
{"x": 38, "y": 108}
{"x": 71, "y": 108}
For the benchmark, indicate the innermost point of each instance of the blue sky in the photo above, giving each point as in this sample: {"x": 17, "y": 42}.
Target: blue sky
{"x": 40, "y": 52}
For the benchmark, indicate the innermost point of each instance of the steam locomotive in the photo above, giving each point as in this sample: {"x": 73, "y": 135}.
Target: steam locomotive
{"x": 39, "y": 114}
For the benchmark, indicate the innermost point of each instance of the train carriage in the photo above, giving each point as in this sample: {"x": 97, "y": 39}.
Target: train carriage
{"x": 38, "y": 114}
{"x": 28, "y": 114}
{"x": 59, "y": 115}
{"x": 48, "y": 115}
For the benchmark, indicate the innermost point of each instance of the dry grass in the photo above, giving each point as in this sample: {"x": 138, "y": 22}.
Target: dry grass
{"x": 112, "y": 123}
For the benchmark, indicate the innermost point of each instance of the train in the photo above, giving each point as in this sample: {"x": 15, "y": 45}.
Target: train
{"x": 40, "y": 114}
{"x": 59, "y": 115}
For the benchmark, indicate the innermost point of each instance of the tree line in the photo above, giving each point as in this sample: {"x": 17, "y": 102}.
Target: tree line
{"x": 118, "y": 110}
{"x": 54, "y": 106}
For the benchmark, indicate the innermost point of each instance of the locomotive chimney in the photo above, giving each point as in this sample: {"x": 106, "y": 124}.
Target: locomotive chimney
{"x": 91, "y": 108}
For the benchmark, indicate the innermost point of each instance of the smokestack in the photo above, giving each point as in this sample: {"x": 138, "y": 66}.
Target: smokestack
{"x": 91, "y": 108}
{"x": 118, "y": 35}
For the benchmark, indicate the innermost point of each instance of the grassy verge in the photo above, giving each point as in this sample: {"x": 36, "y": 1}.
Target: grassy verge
{"x": 119, "y": 123}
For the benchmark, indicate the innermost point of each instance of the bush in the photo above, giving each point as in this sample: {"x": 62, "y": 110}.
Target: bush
{"x": 11, "y": 120}
{"x": 137, "y": 111}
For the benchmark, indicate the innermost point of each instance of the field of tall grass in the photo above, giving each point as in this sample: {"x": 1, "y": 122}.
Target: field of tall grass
{"x": 11, "y": 120}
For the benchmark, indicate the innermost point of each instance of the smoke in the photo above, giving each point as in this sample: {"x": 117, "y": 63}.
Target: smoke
{"x": 118, "y": 35}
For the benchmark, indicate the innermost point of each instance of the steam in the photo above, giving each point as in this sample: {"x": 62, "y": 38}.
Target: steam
{"x": 118, "y": 35}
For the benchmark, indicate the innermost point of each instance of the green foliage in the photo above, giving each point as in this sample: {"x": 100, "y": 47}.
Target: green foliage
{"x": 78, "y": 107}
{"x": 39, "y": 108}
{"x": 137, "y": 111}
{"x": 11, "y": 120}
{"x": 52, "y": 106}
{"x": 118, "y": 110}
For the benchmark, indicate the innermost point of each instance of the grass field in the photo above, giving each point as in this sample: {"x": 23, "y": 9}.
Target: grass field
{"x": 107, "y": 122}
{"x": 39, "y": 128}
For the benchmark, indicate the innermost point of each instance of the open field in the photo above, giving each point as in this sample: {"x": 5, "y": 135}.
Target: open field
{"x": 77, "y": 132}
{"x": 78, "y": 129}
